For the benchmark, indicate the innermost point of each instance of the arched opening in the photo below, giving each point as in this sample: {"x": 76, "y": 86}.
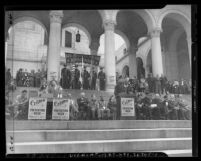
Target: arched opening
{"x": 175, "y": 47}
{"x": 25, "y": 46}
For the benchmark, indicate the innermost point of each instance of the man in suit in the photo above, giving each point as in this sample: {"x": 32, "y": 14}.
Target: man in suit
{"x": 85, "y": 77}
{"x": 102, "y": 77}
{"x": 64, "y": 77}
{"x": 163, "y": 80}
{"x": 68, "y": 80}
{"x": 76, "y": 77}
{"x": 93, "y": 79}
{"x": 83, "y": 106}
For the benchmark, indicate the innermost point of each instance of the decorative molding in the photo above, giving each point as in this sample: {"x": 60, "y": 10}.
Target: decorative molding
{"x": 155, "y": 32}
{"x": 56, "y": 16}
{"x": 109, "y": 25}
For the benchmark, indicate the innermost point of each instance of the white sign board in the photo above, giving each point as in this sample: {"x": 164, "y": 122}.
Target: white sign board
{"x": 37, "y": 108}
{"x": 60, "y": 109}
{"x": 127, "y": 107}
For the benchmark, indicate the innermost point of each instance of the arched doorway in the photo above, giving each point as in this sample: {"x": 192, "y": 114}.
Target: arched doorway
{"x": 175, "y": 47}
{"x": 25, "y": 46}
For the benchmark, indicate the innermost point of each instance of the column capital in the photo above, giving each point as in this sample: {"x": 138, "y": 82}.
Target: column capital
{"x": 56, "y": 16}
{"x": 109, "y": 25}
{"x": 155, "y": 32}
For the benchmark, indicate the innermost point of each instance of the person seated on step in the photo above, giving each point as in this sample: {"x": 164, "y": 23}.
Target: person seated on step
{"x": 54, "y": 88}
{"x": 83, "y": 106}
{"x": 164, "y": 108}
{"x": 103, "y": 109}
{"x": 146, "y": 106}
{"x": 184, "y": 112}
{"x": 21, "y": 106}
{"x": 157, "y": 101}
{"x": 73, "y": 108}
{"x": 112, "y": 105}
{"x": 43, "y": 88}
{"x": 139, "y": 107}
{"x": 93, "y": 106}
{"x": 173, "y": 108}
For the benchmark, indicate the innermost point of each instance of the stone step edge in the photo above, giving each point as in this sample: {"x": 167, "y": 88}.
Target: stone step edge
{"x": 99, "y": 141}
{"x": 92, "y": 130}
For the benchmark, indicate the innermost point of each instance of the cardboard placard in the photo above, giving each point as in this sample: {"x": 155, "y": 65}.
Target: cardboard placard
{"x": 60, "y": 109}
{"x": 127, "y": 107}
{"x": 37, "y": 108}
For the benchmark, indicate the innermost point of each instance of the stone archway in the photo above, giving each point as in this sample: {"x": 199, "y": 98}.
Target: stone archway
{"x": 25, "y": 44}
{"x": 175, "y": 43}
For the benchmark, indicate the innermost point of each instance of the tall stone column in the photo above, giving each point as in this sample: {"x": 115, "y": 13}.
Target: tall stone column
{"x": 110, "y": 65}
{"x": 189, "y": 41}
{"x": 157, "y": 61}
{"x": 53, "y": 58}
{"x": 132, "y": 61}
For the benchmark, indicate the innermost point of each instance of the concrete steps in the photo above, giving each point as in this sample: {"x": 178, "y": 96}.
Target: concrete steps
{"x": 95, "y": 125}
{"x": 95, "y": 146}
{"x": 82, "y": 135}
{"x": 172, "y": 137}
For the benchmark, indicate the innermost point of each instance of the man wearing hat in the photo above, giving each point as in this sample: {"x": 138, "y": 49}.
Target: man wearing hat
{"x": 156, "y": 110}
{"x": 64, "y": 77}
{"x": 76, "y": 77}
{"x": 93, "y": 80}
{"x": 101, "y": 77}
{"x": 85, "y": 77}
{"x": 83, "y": 106}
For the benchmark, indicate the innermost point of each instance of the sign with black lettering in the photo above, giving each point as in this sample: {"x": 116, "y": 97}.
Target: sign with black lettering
{"x": 37, "y": 108}
{"x": 60, "y": 109}
{"x": 127, "y": 107}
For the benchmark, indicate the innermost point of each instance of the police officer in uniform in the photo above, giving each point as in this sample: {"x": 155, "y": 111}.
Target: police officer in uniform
{"x": 64, "y": 77}
{"x": 93, "y": 80}
{"x": 85, "y": 77}
{"x": 76, "y": 77}
{"x": 101, "y": 77}
{"x": 68, "y": 81}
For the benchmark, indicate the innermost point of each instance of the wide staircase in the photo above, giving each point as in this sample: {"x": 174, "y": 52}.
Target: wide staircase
{"x": 172, "y": 137}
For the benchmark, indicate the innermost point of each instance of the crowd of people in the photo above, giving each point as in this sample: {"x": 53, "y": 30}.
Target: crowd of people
{"x": 148, "y": 105}
{"x": 76, "y": 79}
{"x": 160, "y": 85}
{"x": 29, "y": 79}
{"x": 155, "y": 97}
